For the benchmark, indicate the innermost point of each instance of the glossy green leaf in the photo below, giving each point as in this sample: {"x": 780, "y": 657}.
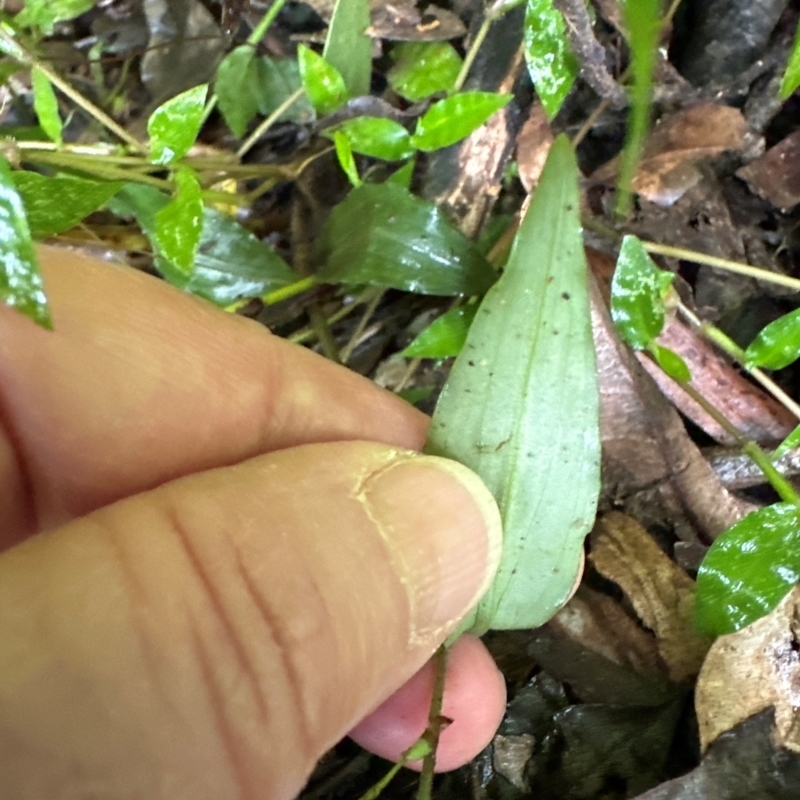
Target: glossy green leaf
{"x": 324, "y": 83}
{"x": 378, "y": 137}
{"x": 347, "y": 47}
{"x": 21, "y": 284}
{"x": 404, "y": 175}
{"x": 175, "y": 125}
{"x": 344, "y": 154}
{"x": 277, "y": 79}
{"x": 642, "y": 19}
{"x": 551, "y": 63}
{"x": 791, "y": 78}
{"x": 421, "y": 69}
{"x": 44, "y": 14}
{"x": 236, "y": 88}
{"x": 45, "y": 104}
{"x": 749, "y": 569}
{"x": 382, "y": 235}
{"x": 637, "y": 294}
{"x": 179, "y": 224}
{"x": 445, "y": 336}
{"x": 521, "y": 406}
{"x": 448, "y": 121}
{"x": 669, "y": 361}
{"x": 231, "y": 263}
{"x": 777, "y": 345}
{"x": 57, "y": 204}
{"x": 789, "y": 443}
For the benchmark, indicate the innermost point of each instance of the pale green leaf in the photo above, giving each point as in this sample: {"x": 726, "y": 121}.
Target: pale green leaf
{"x": 174, "y": 126}
{"x": 521, "y": 406}
{"x": 179, "y": 224}
{"x": 323, "y": 83}
{"x": 421, "y": 69}
{"x": 789, "y": 443}
{"x": 344, "y": 154}
{"x": 777, "y": 345}
{"x": 377, "y": 137}
{"x": 791, "y": 78}
{"x": 669, "y": 361}
{"x": 44, "y": 14}
{"x": 347, "y": 47}
{"x": 45, "y": 104}
{"x": 445, "y": 336}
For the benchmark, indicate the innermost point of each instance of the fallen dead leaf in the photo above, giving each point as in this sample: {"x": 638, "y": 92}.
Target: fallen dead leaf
{"x": 661, "y": 593}
{"x": 775, "y": 176}
{"x": 533, "y": 145}
{"x": 666, "y": 171}
{"x": 752, "y": 670}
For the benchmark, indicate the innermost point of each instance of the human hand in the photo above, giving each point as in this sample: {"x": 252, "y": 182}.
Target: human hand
{"x": 237, "y": 560}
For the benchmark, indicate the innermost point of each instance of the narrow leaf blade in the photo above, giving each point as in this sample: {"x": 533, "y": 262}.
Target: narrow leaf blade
{"x": 344, "y": 154}
{"x": 521, "y": 406}
{"x": 347, "y": 47}
{"x": 445, "y": 336}
{"x": 45, "y": 104}
{"x": 382, "y": 235}
{"x": 174, "y": 126}
{"x": 777, "y": 345}
{"x": 21, "y": 284}
{"x": 791, "y": 78}
{"x": 749, "y": 569}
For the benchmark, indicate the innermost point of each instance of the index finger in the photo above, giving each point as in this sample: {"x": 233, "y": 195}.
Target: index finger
{"x": 140, "y": 383}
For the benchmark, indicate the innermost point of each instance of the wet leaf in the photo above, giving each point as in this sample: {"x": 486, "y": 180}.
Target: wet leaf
{"x": 749, "y": 569}
{"x": 643, "y": 24}
{"x": 789, "y": 443}
{"x": 423, "y": 68}
{"x": 230, "y": 263}
{"x": 551, "y": 63}
{"x": 378, "y": 137}
{"x": 521, "y": 406}
{"x": 404, "y": 175}
{"x": 173, "y": 127}
{"x": 45, "y": 104}
{"x": 382, "y": 235}
{"x": 324, "y": 83}
{"x": 59, "y": 203}
{"x": 445, "y": 336}
{"x": 21, "y": 284}
{"x": 347, "y": 48}
{"x": 791, "y": 78}
{"x": 236, "y": 88}
{"x": 452, "y": 119}
{"x": 670, "y": 362}
{"x": 777, "y": 345}
{"x": 179, "y": 224}
{"x": 44, "y": 14}
{"x": 344, "y": 154}
{"x": 637, "y": 294}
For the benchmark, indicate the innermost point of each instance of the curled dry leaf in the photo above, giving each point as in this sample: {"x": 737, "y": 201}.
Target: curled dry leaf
{"x": 678, "y": 140}
{"x": 752, "y": 670}
{"x": 533, "y": 145}
{"x": 775, "y": 176}
{"x": 659, "y": 590}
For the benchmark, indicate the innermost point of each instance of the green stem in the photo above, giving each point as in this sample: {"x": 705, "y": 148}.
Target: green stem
{"x": 260, "y": 30}
{"x": 323, "y": 331}
{"x": 95, "y": 167}
{"x": 287, "y": 292}
{"x": 435, "y": 722}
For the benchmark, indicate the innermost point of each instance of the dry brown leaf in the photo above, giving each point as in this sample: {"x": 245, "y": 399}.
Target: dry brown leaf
{"x": 752, "y": 670}
{"x": 533, "y": 145}
{"x": 666, "y": 170}
{"x": 775, "y": 176}
{"x": 661, "y": 593}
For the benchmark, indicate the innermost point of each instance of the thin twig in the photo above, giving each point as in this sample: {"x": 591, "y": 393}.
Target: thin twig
{"x": 435, "y": 724}
{"x": 354, "y": 340}
{"x": 269, "y": 122}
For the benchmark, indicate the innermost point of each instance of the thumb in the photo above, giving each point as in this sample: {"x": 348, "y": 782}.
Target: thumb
{"x": 213, "y": 637}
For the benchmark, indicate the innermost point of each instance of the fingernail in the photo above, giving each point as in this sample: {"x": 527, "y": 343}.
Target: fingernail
{"x": 443, "y": 529}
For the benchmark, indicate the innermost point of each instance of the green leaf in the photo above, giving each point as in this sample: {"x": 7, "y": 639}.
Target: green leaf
{"x": 324, "y": 83}
{"x": 791, "y": 78}
{"x": 344, "y": 153}
{"x": 423, "y": 68}
{"x": 44, "y": 14}
{"x": 175, "y": 125}
{"x": 277, "y": 79}
{"x": 21, "y": 284}
{"x": 644, "y": 26}
{"x": 450, "y": 120}
{"x": 521, "y": 406}
{"x": 404, "y": 175}
{"x": 59, "y": 203}
{"x": 347, "y": 47}
{"x": 382, "y": 235}
{"x": 445, "y": 336}
{"x": 637, "y": 294}
{"x": 45, "y": 104}
{"x": 416, "y": 394}
{"x": 777, "y": 345}
{"x": 236, "y": 88}
{"x": 179, "y": 224}
{"x": 377, "y": 137}
{"x": 789, "y": 443}
{"x": 230, "y": 264}
{"x": 551, "y": 63}
{"x": 669, "y": 361}
{"x": 749, "y": 569}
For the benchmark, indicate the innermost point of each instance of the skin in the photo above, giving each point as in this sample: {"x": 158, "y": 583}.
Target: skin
{"x": 219, "y": 554}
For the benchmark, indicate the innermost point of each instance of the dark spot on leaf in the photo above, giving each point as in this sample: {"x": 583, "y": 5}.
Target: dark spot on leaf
{"x": 565, "y": 295}
{"x": 550, "y": 279}
{"x": 569, "y": 207}
{"x": 471, "y": 363}
{"x": 555, "y": 333}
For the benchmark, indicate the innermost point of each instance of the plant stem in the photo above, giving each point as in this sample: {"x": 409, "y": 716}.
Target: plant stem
{"x": 269, "y": 122}
{"x": 287, "y": 292}
{"x": 260, "y": 30}
{"x": 372, "y": 306}
{"x": 435, "y": 722}
{"x": 323, "y": 331}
